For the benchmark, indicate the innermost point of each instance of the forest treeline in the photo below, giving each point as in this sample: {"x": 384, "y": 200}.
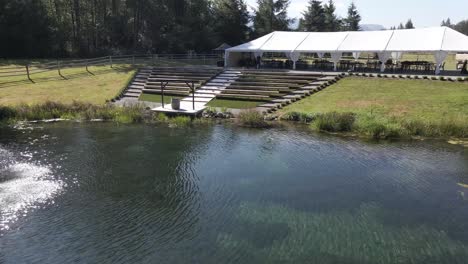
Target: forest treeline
{"x": 80, "y": 28}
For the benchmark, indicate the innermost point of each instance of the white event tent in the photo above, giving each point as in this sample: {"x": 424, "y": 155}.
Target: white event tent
{"x": 439, "y": 41}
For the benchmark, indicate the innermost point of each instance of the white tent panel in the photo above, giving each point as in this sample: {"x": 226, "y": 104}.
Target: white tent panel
{"x": 439, "y": 41}
{"x": 455, "y": 41}
{"x": 417, "y": 40}
{"x": 252, "y": 45}
{"x": 322, "y": 42}
{"x": 284, "y": 41}
{"x": 372, "y": 41}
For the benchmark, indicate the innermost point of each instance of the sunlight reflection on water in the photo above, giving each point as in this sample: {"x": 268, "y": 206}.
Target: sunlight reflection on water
{"x": 23, "y": 187}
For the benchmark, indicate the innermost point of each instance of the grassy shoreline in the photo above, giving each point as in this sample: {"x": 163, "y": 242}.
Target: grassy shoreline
{"x": 371, "y": 126}
{"x": 346, "y": 123}
{"x": 79, "y": 111}
{"x": 385, "y": 108}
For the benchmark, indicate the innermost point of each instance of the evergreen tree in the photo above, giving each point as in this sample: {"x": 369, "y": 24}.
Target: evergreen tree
{"x": 447, "y": 23}
{"x": 353, "y": 19}
{"x": 332, "y": 22}
{"x": 25, "y": 29}
{"x": 409, "y": 24}
{"x": 232, "y": 18}
{"x": 401, "y": 26}
{"x": 462, "y": 27}
{"x": 271, "y": 15}
{"x": 314, "y": 18}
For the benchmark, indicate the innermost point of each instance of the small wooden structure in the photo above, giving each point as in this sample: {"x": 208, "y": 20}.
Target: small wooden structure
{"x": 191, "y": 85}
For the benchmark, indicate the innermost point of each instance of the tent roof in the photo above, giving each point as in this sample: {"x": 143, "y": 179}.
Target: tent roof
{"x": 223, "y": 47}
{"x": 409, "y": 40}
{"x": 253, "y": 45}
{"x": 284, "y": 41}
{"x": 366, "y": 41}
{"x": 425, "y": 39}
{"x": 327, "y": 41}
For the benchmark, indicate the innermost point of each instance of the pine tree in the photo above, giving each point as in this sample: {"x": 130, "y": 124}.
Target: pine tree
{"x": 353, "y": 19}
{"x": 409, "y": 24}
{"x": 314, "y": 18}
{"x": 271, "y": 15}
{"x": 232, "y": 18}
{"x": 332, "y": 22}
{"x": 25, "y": 29}
{"x": 462, "y": 27}
{"x": 401, "y": 26}
{"x": 447, "y": 23}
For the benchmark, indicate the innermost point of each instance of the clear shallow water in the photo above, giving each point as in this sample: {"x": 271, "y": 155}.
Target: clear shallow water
{"x": 101, "y": 193}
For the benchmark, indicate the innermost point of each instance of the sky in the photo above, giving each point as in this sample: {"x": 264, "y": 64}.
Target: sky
{"x": 388, "y": 13}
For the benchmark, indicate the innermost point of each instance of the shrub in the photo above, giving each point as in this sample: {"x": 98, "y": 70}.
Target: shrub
{"x": 415, "y": 128}
{"x": 180, "y": 121}
{"x": 335, "y": 122}
{"x": 224, "y": 110}
{"x": 130, "y": 114}
{"x": 376, "y": 128}
{"x": 252, "y": 118}
{"x": 7, "y": 113}
{"x": 160, "y": 117}
{"x": 298, "y": 117}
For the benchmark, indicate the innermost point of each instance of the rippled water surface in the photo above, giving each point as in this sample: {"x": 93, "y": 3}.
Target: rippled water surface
{"x": 102, "y": 193}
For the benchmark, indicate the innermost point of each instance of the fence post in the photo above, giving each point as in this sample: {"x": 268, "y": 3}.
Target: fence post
{"x": 110, "y": 61}
{"x": 58, "y": 69}
{"x": 87, "y": 65}
{"x": 133, "y": 60}
{"x": 152, "y": 59}
{"x": 27, "y": 72}
{"x": 204, "y": 59}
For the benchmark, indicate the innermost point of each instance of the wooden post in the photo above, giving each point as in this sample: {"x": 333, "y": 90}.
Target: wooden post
{"x": 162, "y": 94}
{"x": 27, "y": 72}
{"x": 133, "y": 60}
{"x": 110, "y": 61}
{"x": 193, "y": 95}
{"x": 58, "y": 69}
{"x": 87, "y": 65}
{"x": 152, "y": 59}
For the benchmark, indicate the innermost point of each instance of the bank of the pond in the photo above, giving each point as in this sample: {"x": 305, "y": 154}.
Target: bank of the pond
{"x": 132, "y": 114}
{"x": 79, "y": 111}
{"x": 383, "y": 108}
{"x": 359, "y": 124}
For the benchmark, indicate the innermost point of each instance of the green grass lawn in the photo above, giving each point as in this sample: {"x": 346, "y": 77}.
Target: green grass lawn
{"x": 156, "y": 98}
{"x": 235, "y": 104}
{"x": 394, "y": 102}
{"x": 101, "y": 83}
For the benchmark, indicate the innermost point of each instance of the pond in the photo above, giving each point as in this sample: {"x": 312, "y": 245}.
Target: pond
{"x": 106, "y": 193}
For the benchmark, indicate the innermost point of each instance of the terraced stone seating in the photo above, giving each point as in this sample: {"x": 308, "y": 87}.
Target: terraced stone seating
{"x": 150, "y": 79}
{"x": 267, "y": 86}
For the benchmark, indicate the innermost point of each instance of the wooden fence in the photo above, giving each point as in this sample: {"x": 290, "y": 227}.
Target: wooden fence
{"x": 28, "y": 70}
